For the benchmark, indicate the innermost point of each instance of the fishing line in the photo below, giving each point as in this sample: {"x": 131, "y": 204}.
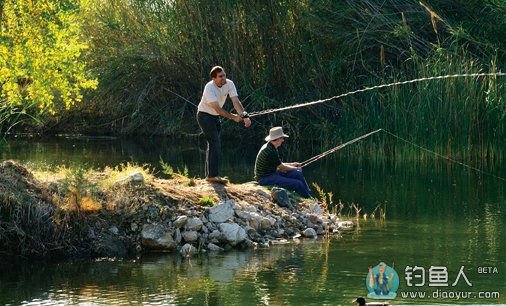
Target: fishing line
{"x": 341, "y": 146}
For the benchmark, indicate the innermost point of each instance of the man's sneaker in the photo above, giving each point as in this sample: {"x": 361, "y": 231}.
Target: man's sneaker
{"x": 217, "y": 179}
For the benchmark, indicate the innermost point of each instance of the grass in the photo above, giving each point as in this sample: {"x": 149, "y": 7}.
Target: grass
{"x": 207, "y": 201}
{"x": 51, "y": 211}
{"x": 113, "y": 174}
{"x": 326, "y": 198}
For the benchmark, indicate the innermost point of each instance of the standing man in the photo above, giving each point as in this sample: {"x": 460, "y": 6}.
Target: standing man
{"x": 269, "y": 170}
{"x": 208, "y": 116}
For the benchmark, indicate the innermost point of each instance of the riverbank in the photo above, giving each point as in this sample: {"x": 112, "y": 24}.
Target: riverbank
{"x": 126, "y": 211}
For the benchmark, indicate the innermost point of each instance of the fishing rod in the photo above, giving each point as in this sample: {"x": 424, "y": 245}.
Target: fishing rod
{"x": 339, "y": 147}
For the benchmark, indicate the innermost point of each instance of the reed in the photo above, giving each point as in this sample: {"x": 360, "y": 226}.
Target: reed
{"x": 152, "y": 57}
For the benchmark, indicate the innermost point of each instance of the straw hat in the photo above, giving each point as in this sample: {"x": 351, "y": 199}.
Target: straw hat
{"x": 275, "y": 133}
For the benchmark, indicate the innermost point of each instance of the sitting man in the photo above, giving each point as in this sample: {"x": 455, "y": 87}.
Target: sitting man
{"x": 269, "y": 170}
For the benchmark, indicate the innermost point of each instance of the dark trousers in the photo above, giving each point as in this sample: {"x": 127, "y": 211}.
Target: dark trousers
{"x": 211, "y": 127}
{"x": 293, "y": 180}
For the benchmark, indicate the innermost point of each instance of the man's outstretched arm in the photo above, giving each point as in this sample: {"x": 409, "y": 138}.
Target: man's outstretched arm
{"x": 224, "y": 113}
{"x": 240, "y": 109}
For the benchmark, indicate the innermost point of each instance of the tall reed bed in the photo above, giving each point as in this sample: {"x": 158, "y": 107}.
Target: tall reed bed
{"x": 153, "y": 56}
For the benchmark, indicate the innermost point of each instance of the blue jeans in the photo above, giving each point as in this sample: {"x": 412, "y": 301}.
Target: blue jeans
{"x": 293, "y": 180}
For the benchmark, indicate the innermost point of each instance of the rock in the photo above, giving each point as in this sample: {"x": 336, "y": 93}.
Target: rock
{"x": 247, "y": 215}
{"x": 157, "y": 237}
{"x": 222, "y": 212}
{"x": 188, "y": 250}
{"x": 180, "y": 221}
{"x": 134, "y": 178}
{"x": 216, "y": 234}
{"x": 177, "y": 236}
{"x": 280, "y": 196}
{"x": 202, "y": 241}
{"x": 91, "y": 234}
{"x": 210, "y": 226}
{"x": 194, "y": 224}
{"x": 114, "y": 230}
{"x": 109, "y": 246}
{"x": 265, "y": 223}
{"x": 313, "y": 218}
{"x": 233, "y": 233}
{"x": 134, "y": 227}
{"x": 309, "y": 233}
{"x": 245, "y": 207}
{"x": 190, "y": 236}
{"x": 314, "y": 208}
{"x": 249, "y": 243}
{"x": 214, "y": 247}
{"x": 345, "y": 225}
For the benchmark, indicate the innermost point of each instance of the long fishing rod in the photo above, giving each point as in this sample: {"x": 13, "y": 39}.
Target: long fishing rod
{"x": 270, "y": 111}
{"x": 339, "y": 147}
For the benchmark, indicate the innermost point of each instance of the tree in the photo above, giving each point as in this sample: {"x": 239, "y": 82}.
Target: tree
{"x": 41, "y": 43}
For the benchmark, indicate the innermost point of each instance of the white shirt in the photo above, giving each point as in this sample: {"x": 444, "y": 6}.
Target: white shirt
{"x": 213, "y": 93}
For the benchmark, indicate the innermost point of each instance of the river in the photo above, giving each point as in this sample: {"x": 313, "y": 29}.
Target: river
{"x": 438, "y": 215}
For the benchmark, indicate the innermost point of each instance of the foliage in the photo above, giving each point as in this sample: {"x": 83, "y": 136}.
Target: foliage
{"x": 153, "y": 58}
{"x": 79, "y": 191}
{"x": 207, "y": 201}
{"x": 166, "y": 168}
{"x": 41, "y": 43}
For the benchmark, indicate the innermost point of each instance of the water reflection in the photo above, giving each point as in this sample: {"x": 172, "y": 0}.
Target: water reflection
{"x": 308, "y": 273}
{"x": 436, "y": 215}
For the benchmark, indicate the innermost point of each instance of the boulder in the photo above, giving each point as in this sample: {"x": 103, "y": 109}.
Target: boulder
{"x": 345, "y": 225}
{"x": 245, "y": 207}
{"x": 233, "y": 233}
{"x": 222, "y": 212}
{"x": 314, "y": 208}
{"x": 280, "y": 196}
{"x": 216, "y": 234}
{"x": 134, "y": 178}
{"x": 309, "y": 233}
{"x": 190, "y": 236}
{"x": 114, "y": 230}
{"x": 157, "y": 237}
{"x": 194, "y": 224}
{"x": 107, "y": 245}
{"x": 188, "y": 250}
{"x": 177, "y": 236}
{"x": 214, "y": 247}
{"x": 180, "y": 221}
{"x": 313, "y": 218}
{"x": 265, "y": 223}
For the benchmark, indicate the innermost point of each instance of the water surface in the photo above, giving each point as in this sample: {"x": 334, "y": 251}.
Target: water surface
{"x": 437, "y": 215}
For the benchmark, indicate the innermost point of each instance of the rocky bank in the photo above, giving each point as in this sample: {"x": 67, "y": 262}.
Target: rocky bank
{"x": 135, "y": 216}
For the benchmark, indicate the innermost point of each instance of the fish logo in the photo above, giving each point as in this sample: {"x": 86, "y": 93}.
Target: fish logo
{"x": 382, "y": 282}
